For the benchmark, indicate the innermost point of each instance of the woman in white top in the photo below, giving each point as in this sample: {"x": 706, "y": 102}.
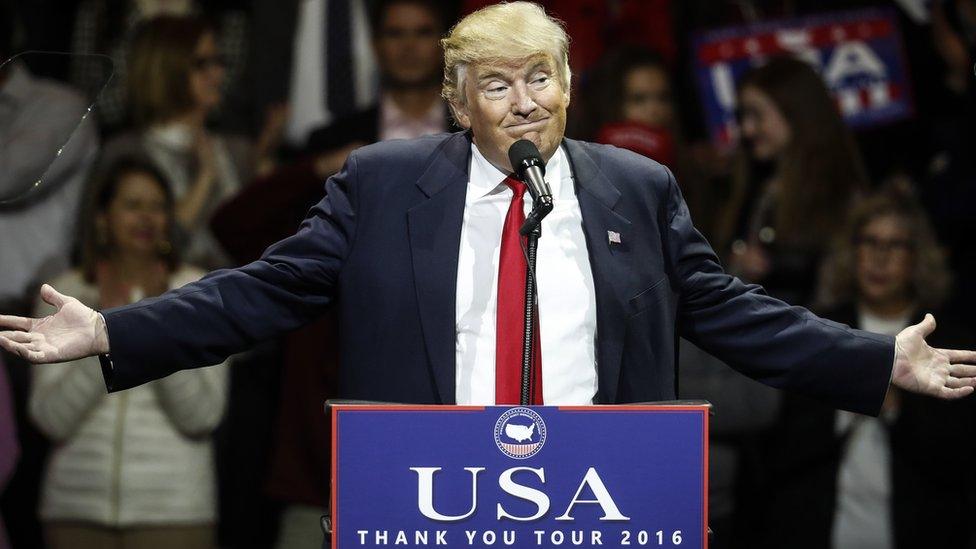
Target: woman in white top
{"x": 130, "y": 469}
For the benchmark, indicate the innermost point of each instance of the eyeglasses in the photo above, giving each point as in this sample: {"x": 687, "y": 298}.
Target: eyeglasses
{"x": 204, "y": 62}
{"x": 884, "y": 245}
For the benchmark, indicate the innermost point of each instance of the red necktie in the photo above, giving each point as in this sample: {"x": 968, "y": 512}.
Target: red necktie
{"x": 510, "y": 321}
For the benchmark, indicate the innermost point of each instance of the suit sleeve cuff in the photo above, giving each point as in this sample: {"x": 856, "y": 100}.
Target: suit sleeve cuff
{"x": 108, "y": 370}
{"x": 105, "y": 360}
{"x": 877, "y": 411}
{"x": 891, "y": 376}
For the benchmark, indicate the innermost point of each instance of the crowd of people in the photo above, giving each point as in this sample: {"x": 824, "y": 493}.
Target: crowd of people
{"x": 223, "y": 120}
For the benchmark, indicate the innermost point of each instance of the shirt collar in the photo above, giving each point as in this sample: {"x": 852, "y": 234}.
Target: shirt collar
{"x": 391, "y": 113}
{"x": 485, "y": 178}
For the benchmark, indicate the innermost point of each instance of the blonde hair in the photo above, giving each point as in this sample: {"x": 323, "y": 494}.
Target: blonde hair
{"x": 499, "y": 33}
{"x": 931, "y": 279}
{"x": 160, "y": 65}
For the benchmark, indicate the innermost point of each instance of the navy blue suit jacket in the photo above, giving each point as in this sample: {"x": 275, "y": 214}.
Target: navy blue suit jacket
{"x": 383, "y": 247}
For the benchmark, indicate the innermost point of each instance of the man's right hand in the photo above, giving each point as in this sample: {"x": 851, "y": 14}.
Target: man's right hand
{"x": 74, "y": 331}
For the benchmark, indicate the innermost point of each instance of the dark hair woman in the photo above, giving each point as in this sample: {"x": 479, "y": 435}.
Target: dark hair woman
{"x": 97, "y": 246}
{"x": 798, "y": 168}
{"x": 132, "y": 469}
{"x": 627, "y": 102}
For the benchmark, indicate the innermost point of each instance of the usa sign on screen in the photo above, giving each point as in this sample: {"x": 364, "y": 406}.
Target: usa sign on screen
{"x": 859, "y": 54}
{"x": 546, "y": 476}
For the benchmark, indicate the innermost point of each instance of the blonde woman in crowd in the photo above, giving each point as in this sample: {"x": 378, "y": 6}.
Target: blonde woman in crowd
{"x": 175, "y": 77}
{"x": 844, "y": 480}
{"x": 131, "y": 469}
{"x": 108, "y": 27}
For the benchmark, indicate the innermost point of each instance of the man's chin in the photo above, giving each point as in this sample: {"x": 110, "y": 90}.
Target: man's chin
{"x": 533, "y": 136}
{"x": 546, "y": 146}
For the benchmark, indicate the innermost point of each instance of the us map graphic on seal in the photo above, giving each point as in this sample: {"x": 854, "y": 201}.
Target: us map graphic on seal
{"x": 520, "y": 433}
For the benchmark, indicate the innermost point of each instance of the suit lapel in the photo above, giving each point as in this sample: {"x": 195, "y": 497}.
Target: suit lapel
{"x": 435, "y": 237}
{"x": 610, "y": 262}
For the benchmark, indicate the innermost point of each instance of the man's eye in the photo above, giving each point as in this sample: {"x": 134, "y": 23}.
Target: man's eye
{"x": 540, "y": 82}
{"x": 496, "y": 91}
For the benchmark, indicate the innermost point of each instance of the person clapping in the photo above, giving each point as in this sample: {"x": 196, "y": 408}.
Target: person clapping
{"x": 136, "y": 468}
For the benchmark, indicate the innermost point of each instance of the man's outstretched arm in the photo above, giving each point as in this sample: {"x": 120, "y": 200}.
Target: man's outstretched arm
{"x": 793, "y": 349}
{"x": 204, "y": 322}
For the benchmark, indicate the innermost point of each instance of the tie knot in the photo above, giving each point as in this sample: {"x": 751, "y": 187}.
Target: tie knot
{"x": 518, "y": 187}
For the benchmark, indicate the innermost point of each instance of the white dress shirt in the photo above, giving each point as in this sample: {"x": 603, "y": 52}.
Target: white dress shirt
{"x": 567, "y": 300}
{"x": 862, "y": 515}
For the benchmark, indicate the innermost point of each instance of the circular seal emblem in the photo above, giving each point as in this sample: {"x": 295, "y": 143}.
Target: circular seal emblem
{"x": 520, "y": 433}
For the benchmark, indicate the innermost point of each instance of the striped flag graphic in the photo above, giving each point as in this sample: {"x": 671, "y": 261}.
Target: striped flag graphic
{"x": 520, "y": 449}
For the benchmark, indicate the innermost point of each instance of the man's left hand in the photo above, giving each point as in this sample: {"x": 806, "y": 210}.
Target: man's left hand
{"x": 919, "y": 368}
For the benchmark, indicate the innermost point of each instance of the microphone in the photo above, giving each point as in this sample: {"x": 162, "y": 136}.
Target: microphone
{"x": 530, "y": 169}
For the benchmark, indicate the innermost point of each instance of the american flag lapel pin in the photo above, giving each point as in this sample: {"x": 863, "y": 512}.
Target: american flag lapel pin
{"x": 613, "y": 237}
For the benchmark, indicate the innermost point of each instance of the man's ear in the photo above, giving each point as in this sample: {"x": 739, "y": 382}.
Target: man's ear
{"x": 461, "y": 115}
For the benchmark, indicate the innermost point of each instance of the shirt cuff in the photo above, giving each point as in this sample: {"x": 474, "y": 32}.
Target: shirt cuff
{"x": 105, "y": 360}
{"x": 891, "y": 375}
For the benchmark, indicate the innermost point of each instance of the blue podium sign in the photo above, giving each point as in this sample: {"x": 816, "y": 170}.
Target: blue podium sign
{"x": 511, "y": 476}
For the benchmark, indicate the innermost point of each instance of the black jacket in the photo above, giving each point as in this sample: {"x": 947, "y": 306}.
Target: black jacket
{"x": 933, "y": 451}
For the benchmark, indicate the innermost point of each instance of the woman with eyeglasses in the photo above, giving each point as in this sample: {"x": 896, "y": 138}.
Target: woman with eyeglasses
{"x": 175, "y": 78}
{"x": 133, "y": 469}
{"x": 841, "y": 480}
{"x": 107, "y": 27}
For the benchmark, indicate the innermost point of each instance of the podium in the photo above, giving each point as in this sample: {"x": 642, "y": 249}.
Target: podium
{"x": 519, "y": 476}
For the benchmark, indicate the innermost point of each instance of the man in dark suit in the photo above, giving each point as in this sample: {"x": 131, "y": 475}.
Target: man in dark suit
{"x": 295, "y": 36}
{"x": 406, "y": 42}
{"x": 412, "y": 233}
{"x": 405, "y": 36}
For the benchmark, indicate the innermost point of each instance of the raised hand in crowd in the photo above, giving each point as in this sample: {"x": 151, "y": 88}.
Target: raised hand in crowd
{"x": 272, "y": 133}
{"x": 750, "y": 260}
{"x": 192, "y": 204}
